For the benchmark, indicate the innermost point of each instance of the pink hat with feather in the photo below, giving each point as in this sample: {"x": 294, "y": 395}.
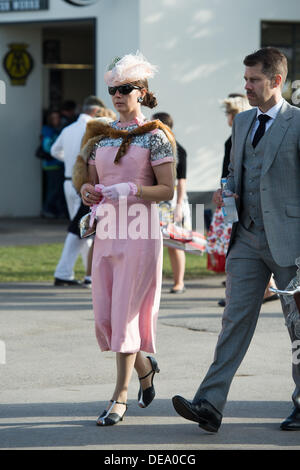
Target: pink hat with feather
{"x": 130, "y": 68}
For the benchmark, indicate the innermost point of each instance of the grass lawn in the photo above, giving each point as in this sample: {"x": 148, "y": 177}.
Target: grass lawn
{"x": 38, "y": 262}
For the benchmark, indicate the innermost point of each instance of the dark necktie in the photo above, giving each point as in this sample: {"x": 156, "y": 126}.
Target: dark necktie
{"x": 263, "y": 119}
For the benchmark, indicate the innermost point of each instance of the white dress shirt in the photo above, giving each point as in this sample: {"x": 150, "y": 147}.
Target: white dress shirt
{"x": 271, "y": 112}
{"x": 67, "y": 146}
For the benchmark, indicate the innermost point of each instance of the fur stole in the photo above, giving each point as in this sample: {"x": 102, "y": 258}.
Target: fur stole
{"x": 97, "y": 130}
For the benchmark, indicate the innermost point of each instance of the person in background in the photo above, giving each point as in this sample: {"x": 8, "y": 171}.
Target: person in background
{"x": 219, "y": 232}
{"x": 68, "y": 113}
{"x": 66, "y": 148}
{"x": 180, "y": 209}
{"x": 54, "y": 200}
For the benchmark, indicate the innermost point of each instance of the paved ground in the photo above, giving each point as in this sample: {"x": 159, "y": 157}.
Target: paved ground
{"x": 55, "y": 381}
{"x": 30, "y": 231}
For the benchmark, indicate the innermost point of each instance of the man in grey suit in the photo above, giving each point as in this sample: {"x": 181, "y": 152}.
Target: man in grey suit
{"x": 264, "y": 175}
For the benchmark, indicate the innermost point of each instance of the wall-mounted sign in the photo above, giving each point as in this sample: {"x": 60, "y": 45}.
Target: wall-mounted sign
{"x": 23, "y": 5}
{"x": 18, "y": 63}
{"x": 81, "y": 3}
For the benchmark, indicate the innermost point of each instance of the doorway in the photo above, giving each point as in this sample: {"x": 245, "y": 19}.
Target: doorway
{"x": 68, "y": 62}
{"x": 68, "y": 77}
{"x": 63, "y": 69}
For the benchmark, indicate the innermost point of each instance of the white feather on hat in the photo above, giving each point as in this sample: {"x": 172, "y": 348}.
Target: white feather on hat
{"x": 130, "y": 68}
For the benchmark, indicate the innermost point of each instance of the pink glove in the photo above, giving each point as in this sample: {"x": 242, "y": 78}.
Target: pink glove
{"x": 116, "y": 191}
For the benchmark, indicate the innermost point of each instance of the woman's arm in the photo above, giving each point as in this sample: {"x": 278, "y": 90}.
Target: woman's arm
{"x": 181, "y": 188}
{"x": 93, "y": 197}
{"x": 92, "y": 175}
{"x": 178, "y": 212}
{"x": 164, "y": 189}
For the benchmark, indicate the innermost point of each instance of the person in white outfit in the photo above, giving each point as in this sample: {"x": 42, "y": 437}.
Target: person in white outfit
{"x": 66, "y": 148}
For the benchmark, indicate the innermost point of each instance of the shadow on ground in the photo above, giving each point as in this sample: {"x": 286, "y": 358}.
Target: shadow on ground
{"x": 73, "y": 425}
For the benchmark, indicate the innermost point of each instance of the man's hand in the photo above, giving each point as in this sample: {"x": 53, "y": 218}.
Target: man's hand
{"x": 218, "y": 199}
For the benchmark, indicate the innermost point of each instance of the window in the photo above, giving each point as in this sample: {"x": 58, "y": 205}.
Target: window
{"x": 286, "y": 37}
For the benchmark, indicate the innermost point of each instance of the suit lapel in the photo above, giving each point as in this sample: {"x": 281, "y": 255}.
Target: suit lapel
{"x": 276, "y": 135}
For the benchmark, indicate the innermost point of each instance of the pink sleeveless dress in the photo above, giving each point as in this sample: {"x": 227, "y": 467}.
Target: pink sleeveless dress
{"x": 127, "y": 259}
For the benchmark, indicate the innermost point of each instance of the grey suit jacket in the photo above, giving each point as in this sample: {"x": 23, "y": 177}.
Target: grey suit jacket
{"x": 279, "y": 183}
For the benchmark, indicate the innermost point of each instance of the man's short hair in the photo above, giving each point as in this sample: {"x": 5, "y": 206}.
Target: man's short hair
{"x": 273, "y": 62}
{"x": 93, "y": 101}
{"x": 165, "y": 118}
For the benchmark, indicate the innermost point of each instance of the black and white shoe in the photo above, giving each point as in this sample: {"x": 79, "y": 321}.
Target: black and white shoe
{"x": 66, "y": 282}
{"x": 87, "y": 283}
{"x": 145, "y": 397}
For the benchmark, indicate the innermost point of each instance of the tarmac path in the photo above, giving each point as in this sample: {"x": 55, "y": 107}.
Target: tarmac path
{"x": 56, "y": 381}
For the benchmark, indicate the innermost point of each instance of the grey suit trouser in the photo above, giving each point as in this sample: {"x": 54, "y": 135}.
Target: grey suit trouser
{"x": 249, "y": 266}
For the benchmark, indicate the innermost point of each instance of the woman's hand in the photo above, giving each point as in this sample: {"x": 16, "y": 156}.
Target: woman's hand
{"x": 116, "y": 191}
{"x": 178, "y": 214}
{"x": 89, "y": 195}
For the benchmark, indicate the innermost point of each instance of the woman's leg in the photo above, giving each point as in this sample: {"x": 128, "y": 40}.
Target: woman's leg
{"x": 177, "y": 258}
{"x": 125, "y": 365}
{"x": 143, "y": 366}
{"x": 268, "y": 293}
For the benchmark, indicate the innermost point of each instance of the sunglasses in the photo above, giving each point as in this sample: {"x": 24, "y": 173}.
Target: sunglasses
{"x": 123, "y": 89}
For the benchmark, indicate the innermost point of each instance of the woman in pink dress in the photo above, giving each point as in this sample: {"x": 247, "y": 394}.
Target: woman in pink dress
{"x": 127, "y": 260}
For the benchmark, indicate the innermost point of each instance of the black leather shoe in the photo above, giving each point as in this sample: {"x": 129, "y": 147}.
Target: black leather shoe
{"x": 66, "y": 282}
{"x": 110, "y": 419}
{"x": 145, "y": 397}
{"x": 292, "y": 422}
{"x": 177, "y": 291}
{"x": 203, "y": 413}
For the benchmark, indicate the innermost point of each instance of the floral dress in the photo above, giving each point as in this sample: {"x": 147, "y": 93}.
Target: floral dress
{"x": 217, "y": 242}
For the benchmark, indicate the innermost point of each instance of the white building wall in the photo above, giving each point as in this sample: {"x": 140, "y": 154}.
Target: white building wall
{"x": 20, "y": 122}
{"x": 199, "y": 46}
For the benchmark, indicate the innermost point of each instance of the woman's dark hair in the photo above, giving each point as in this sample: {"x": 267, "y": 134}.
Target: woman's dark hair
{"x": 165, "y": 118}
{"x": 273, "y": 61}
{"x": 149, "y": 99}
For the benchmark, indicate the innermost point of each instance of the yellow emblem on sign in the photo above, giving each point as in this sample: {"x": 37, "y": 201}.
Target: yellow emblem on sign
{"x": 18, "y": 63}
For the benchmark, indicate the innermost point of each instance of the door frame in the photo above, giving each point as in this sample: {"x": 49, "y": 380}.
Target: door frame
{"x": 93, "y": 21}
